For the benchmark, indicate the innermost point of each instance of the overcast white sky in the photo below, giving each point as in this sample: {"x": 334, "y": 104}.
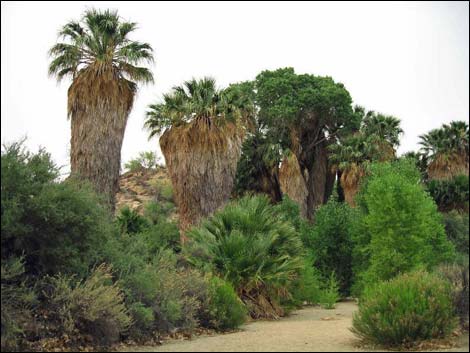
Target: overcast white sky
{"x": 408, "y": 59}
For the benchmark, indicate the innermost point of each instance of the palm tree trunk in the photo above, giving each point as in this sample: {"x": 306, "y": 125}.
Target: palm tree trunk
{"x": 99, "y": 107}
{"x": 292, "y": 182}
{"x": 202, "y": 160}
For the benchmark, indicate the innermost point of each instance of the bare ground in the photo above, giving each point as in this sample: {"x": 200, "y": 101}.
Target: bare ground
{"x": 307, "y": 330}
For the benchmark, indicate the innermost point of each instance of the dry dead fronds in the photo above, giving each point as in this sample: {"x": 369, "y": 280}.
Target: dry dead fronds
{"x": 292, "y": 182}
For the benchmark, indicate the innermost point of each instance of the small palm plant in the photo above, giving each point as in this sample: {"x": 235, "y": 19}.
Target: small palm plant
{"x": 103, "y": 63}
{"x": 249, "y": 245}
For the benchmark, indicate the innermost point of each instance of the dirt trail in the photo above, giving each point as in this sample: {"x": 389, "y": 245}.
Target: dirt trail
{"x": 310, "y": 329}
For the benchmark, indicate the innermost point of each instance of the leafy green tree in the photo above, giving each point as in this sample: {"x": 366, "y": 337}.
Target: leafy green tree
{"x": 400, "y": 228}
{"x": 303, "y": 113}
{"x": 102, "y": 61}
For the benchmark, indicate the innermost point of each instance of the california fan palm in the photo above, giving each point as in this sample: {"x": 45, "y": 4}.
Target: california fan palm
{"x": 103, "y": 64}
{"x": 376, "y": 140}
{"x": 201, "y": 135}
{"x": 447, "y": 150}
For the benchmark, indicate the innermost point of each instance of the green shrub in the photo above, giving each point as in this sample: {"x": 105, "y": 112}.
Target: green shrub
{"x": 130, "y": 221}
{"x": 400, "y": 227}
{"x": 164, "y": 235}
{"x": 329, "y": 295}
{"x": 331, "y": 242}
{"x": 225, "y": 310}
{"x": 406, "y": 310}
{"x": 158, "y": 212}
{"x": 145, "y": 160}
{"x": 16, "y": 300}
{"x": 307, "y": 287}
{"x": 458, "y": 277}
{"x": 57, "y": 226}
{"x": 249, "y": 246}
{"x": 456, "y": 225}
{"x": 450, "y": 194}
{"x": 94, "y": 306}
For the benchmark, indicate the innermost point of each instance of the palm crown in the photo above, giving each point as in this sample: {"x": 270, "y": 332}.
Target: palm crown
{"x": 448, "y": 140}
{"x": 195, "y": 99}
{"x": 100, "y": 41}
{"x": 375, "y": 140}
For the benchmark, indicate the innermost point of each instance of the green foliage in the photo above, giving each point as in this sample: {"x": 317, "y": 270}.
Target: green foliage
{"x": 450, "y": 194}
{"x": 130, "y": 221}
{"x": 458, "y": 276}
{"x": 399, "y": 227}
{"x": 16, "y": 301}
{"x": 331, "y": 242}
{"x": 406, "y": 310}
{"x": 145, "y": 160}
{"x": 249, "y": 246}
{"x": 57, "y": 226}
{"x": 225, "y": 310}
{"x": 329, "y": 295}
{"x": 258, "y": 164}
{"x": 307, "y": 288}
{"x": 457, "y": 230}
{"x": 93, "y": 306}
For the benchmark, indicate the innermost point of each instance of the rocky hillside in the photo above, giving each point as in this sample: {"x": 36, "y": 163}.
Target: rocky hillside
{"x": 137, "y": 188}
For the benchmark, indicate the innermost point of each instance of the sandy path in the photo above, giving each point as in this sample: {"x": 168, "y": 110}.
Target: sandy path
{"x": 310, "y": 329}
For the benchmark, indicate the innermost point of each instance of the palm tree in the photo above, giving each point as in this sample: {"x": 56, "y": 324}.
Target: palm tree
{"x": 102, "y": 62}
{"x": 376, "y": 140}
{"x": 292, "y": 181}
{"x": 447, "y": 150}
{"x": 201, "y": 132}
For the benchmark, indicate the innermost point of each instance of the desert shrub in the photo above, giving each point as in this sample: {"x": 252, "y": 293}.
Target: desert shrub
{"x": 163, "y": 235}
{"x": 247, "y": 245}
{"x": 405, "y": 310}
{"x": 329, "y": 294}
{"x": 163, "y": 190}
{"x": 130, "y": 221}
{"x": 450, "y": 194}
{"x": 57, "y": 226}
{"x": 224, "y": 309}
{"x": 158, "y": 212}
{"x": 456, "y": 225}
{"x": 400, "y": 227}
{"x": 458, "y": 276}
{"x": 331, "y": 242}
{"x": 16, "y": 301}
{"x": 93, "y": 306}
{"x": 307, "y": 287}
{"x": 145, "y": 160}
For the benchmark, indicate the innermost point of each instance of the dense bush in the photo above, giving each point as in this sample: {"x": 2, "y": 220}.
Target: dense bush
{"x": 224, "y": 309}
{"x": 330, "y": 240}
{"x": 458, "y": 276}
{"x": 16, "y": 301}
{"x": 57, "y": 226}
{"x": 399, "y": 227}
{"x": 450, "y": 194}
{"x": 251, "y": 247}
{"x": 457, "y": 230}
{"x": 406, "y": 310}
{"x": 94, "y": 306}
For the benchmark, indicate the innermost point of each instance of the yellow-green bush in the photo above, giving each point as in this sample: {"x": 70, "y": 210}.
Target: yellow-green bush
{"x": 94, "y": 306}
{"x": 405, "y": 310}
